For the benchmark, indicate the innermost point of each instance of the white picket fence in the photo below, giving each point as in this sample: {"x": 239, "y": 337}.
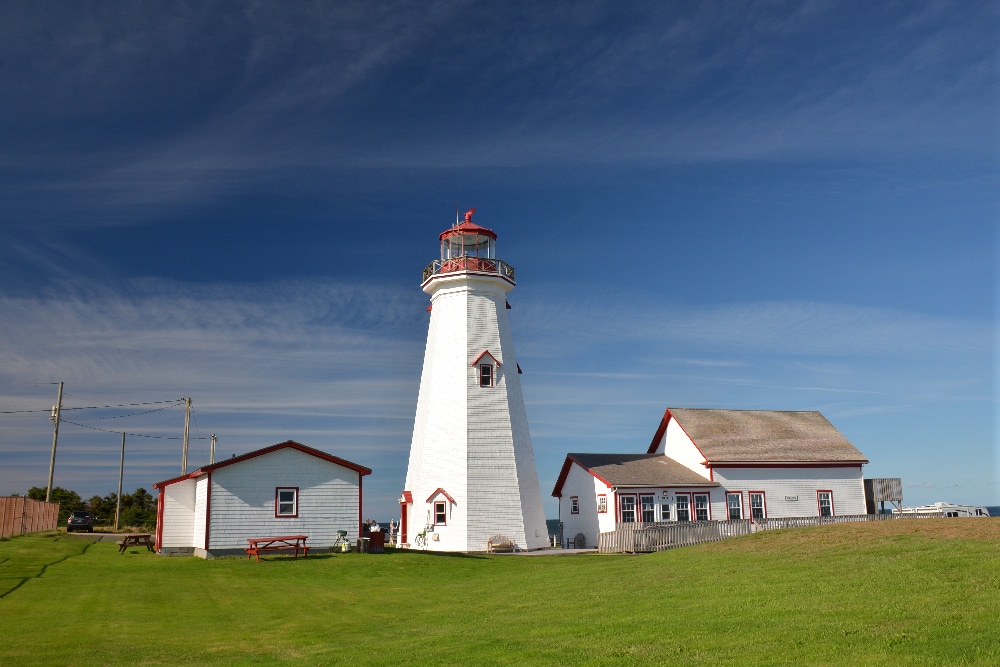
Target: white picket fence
{"x": 649, "y": 537}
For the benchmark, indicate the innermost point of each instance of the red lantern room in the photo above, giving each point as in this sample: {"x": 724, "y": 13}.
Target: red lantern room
{"x": 470, "y": 248}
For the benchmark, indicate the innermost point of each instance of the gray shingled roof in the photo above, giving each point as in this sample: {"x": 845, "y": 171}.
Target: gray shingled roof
{"x": 765, "y": 435}
{"x": 640, "y": 470}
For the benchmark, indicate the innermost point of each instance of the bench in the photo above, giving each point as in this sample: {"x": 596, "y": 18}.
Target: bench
{"x": 500, "y": 543}
{"x": 294, "y": 543}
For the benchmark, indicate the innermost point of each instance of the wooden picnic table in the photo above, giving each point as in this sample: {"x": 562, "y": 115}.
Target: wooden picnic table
{"x": 294, "y": 543}
{"x": 136, "y": 540}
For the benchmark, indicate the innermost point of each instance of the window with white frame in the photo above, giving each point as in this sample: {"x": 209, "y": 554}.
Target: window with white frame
{"x": 683, "y": 506}
{"x": 574, "y": 505}
{"x": 286, "y": 502}
{"x": 825, "y": 501}
{"x": 758, "y": 510}
{"x": 440, "y": 513}
{"x": 628, "y": 509}
{"x": 648, "y": 509}
{"x": 485, "y": 375}
{"x": 701, "y": 512}
{"x": 734, "y": 501}
{"x": 664, "y": 510}
{"x": 602, "y": 503}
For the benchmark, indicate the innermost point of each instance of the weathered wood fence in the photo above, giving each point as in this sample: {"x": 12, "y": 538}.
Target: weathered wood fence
{"x": 648, "y": 537}
{"x": 19, "y": 516}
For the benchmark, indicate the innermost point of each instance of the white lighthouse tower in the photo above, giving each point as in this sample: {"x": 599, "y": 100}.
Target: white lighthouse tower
{"x": 472, "y": 471}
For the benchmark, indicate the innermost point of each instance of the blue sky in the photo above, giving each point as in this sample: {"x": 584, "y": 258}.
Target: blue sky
{"x": 739, "y": 205}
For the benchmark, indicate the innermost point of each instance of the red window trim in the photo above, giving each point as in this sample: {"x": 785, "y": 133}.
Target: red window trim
{"x": 708, "y": 505}
{"x": 599, "y": 510}
{"x": 635, "y": 507}
{"x": 574, "y": 502}
{"x": 493, "y": 375}
{"x": 819, "y": 508}
{"x": 763, "y": 497}
{"x": 444, "y": 506}
{"x": 743, "y": 509}
{"x": 286, "y": 516}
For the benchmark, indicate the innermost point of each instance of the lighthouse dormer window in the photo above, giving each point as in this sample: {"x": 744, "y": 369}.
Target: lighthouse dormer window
{"x": 485, "y": 375}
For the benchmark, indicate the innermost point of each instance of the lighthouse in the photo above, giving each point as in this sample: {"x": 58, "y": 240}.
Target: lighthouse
{"x": 471, "y": 475}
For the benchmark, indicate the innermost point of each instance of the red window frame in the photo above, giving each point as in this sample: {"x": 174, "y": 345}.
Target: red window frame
{"x": 440, "y": 514}
{"x": 708, "y": 505}
{"x": 742, "y": 511}
{"x": 763, "y": 503}
{"x": 574, "y": 504}
{"x": 621, "y": 508}
{"x": 486, "y": 375}
{"x": 690, "y": 506}
{"x": 277, "y": 502}
{"x": 602, "y": 503}
{"x": 819, "y": 506}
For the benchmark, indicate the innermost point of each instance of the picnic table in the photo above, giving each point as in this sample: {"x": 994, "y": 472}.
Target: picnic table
{"x": 294, "y": 543}
{"x": 136, "y": 540}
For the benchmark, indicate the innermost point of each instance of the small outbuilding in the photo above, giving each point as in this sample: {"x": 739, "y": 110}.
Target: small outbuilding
{"x": 285, "y": 489}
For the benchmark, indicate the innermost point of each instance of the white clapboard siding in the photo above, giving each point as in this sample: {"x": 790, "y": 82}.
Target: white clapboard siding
{"x": 178, "y": 514}
{"x": 200, "y": 512}
{"x": 791, "y": 492}
{"x": 243, "y": 497}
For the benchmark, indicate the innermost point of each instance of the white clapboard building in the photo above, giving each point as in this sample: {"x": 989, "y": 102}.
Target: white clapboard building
{"x": 285, "y": 489}
{"x": 715, "y": 465}
{"x": 471, "y": 474}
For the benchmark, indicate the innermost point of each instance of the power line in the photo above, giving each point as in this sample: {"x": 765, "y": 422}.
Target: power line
{"x": 97, "y": 407}
{"x": 137, "y": 435}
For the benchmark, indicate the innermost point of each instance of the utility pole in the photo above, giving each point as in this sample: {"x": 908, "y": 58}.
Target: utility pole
{"x": 55, "y": 440}
{"x": 213, "y": 450}
{"x": 121, "y": 472}
{"x": 187, "y": 432}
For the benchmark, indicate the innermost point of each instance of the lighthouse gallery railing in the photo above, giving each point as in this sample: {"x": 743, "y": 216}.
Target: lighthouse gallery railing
{"x": 468, "y": 263}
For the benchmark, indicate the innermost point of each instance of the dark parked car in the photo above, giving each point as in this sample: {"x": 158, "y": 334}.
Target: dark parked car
{"x": 80, "y": 521}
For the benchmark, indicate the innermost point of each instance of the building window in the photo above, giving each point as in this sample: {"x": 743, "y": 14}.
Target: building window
{"x": 602, "y": 504}
{"x": 758, "y": 510}
{"x": 628, "y": 509}
{"x": 440, "y": 513}
{"x": 485, "y": 375}
{"x": 735, "y": 503}
{"x": 648, "y": 509}
{"x": 665, "y": 511}
{"x": 683, "y": 504}
{"x": 701, "y": 512}
{"x": 825, "y": 501}
{"x": 574, "y": 505}
{"x": 286, "y": 502}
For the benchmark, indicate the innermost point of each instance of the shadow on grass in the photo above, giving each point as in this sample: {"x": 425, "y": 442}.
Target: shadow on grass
{"x": 23, "y": 580}
{"x": 389, "y": 553}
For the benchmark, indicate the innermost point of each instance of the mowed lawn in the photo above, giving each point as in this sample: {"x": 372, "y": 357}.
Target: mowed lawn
{"x": 912, "y": 592}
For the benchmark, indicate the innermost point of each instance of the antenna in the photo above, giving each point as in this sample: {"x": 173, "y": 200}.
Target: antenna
{"x": 456, "y": 215}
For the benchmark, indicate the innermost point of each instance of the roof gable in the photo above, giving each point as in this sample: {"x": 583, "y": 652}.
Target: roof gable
{"x": 288, "y": 444}
{"x": 630, "y": 470}
{"x": 759, "y": 436}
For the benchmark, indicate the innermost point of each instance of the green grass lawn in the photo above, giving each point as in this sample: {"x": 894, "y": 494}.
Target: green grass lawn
{"x": 894, "y": 593}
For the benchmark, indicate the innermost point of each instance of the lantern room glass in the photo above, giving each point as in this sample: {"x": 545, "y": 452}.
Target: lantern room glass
{"x": 468, "y": 245}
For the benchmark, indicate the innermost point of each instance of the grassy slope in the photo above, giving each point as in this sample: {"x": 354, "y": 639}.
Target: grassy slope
{"x": 893, "y": 593}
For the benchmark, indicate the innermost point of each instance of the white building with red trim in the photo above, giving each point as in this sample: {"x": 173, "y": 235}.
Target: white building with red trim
{"x": 285, "y": 489}
{"x": 708, "y": 465}
{"x": 471, "y": 473}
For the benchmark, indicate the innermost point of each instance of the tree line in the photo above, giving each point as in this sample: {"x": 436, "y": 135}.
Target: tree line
{"x": 138, "y": 507}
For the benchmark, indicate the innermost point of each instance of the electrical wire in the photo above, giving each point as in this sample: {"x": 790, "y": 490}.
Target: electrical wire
{"x": 136, "y": 435}
{"x": 96, "y": 407}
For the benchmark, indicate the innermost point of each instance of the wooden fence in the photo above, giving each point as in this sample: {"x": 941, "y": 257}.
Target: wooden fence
{"x": 19, "y": 516}
{"x": 648, "y": 537}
